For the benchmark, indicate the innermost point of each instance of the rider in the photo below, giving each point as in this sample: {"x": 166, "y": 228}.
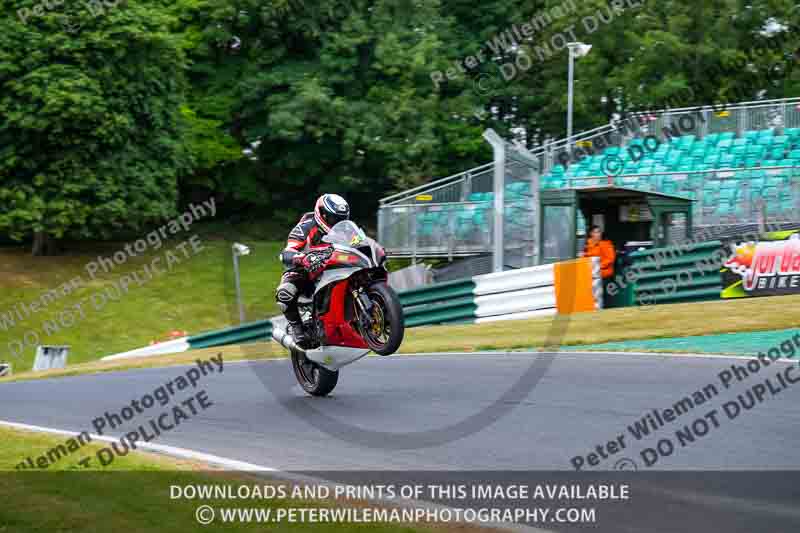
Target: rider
{"x": 305, "y": 255}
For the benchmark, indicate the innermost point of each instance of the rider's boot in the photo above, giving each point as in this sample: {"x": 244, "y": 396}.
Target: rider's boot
{"x": 298, "y": 333}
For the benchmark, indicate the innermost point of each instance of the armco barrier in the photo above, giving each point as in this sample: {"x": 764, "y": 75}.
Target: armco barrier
{"x": 680, "y": 273}
{"x": 437, "y": 292}
{"x": 260, "y": 331}
{"x": 251, "y": 332}
{"x": 514, "y": 280}
{"x": 514, "y": 294}
{"x": 162, "y": 348}
{"x": 448, "y": 302}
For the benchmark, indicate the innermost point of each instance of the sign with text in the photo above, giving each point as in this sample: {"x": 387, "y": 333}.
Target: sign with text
{"x": 768, "y": 267}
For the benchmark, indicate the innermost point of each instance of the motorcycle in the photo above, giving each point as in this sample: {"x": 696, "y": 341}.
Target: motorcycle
{"x": 351, "y": 312}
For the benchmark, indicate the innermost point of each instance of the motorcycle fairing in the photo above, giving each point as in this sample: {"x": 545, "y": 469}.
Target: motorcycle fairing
{"x": 335, "y": 357}
{"x": 334, "y": 275}
{"x": 338, "y": 331}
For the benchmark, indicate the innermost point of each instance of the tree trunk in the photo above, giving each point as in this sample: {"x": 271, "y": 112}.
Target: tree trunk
{"x": 43, "y": 244}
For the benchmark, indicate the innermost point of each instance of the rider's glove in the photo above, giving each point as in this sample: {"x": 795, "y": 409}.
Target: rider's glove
{"x": 313, "y": 262}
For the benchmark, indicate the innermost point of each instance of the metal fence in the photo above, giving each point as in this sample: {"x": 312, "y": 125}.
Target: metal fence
{"x": 521, "y": 213}
{"x": 455, "y": 188}
{"x": 700, "y": 121}
{"x": 740, "y": 117}
{"x": 718, "y": 118}
{"x": 453, "y": 229}
{"x": 453, "y": 216}
{"x": 743, "y": 203}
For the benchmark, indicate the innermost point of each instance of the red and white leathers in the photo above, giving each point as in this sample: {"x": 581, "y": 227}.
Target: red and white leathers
{"x": 304, "y": 240}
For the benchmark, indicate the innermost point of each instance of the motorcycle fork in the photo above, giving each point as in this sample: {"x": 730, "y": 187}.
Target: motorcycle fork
{"x": 365, "y": 305}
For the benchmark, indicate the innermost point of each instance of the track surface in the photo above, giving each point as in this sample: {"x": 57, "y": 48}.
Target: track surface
{"x": 583, "y": 400}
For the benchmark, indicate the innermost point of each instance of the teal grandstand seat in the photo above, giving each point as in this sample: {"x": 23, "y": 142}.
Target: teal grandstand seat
{"x": 741, "y": 141}
{"x": 776, "y": 152}
{"x": 724, "y": 144}
{"x": 792, "y": 133}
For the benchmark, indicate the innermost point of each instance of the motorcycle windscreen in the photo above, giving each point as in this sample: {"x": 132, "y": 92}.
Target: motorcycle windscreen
{"x": 346, "y": 233}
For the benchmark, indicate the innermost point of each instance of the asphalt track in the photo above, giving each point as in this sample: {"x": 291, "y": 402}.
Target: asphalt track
{"x": 583, "y": 400}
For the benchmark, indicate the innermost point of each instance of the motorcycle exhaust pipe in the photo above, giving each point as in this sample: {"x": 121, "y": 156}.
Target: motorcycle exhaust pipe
{"x": 284, "y": 339}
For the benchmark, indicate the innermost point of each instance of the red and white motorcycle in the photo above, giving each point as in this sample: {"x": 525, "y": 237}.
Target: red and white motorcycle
{"x": 353, "y": 311}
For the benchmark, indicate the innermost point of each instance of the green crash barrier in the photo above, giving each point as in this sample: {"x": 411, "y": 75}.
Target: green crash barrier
{"x": 437, "y": 292}
{"x": 447, "y": 311}
{"x": 440, "y": 303}
{"x": 679, "y": 273}
{"x": 259, "y": 331}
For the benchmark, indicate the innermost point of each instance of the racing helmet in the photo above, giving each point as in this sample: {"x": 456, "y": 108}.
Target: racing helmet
{"x": 330, "y": 210}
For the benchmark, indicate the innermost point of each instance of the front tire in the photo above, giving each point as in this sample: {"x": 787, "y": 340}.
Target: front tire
{"x": 387, "y": 322}
{"x": 315, "y": 380}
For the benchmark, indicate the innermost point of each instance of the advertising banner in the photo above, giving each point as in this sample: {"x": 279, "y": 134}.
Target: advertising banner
{"x": 767, "y": 267}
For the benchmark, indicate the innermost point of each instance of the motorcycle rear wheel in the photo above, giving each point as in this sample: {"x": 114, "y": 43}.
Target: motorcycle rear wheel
{"x": 315, "y": 379}
{"x": 387, "y": 323}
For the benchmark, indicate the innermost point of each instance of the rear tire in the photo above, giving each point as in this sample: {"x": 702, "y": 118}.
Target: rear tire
{"x": 388, "y": 320}
{"x": 315, "y": 379}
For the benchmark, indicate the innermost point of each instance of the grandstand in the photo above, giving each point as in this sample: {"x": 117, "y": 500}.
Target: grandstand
{"x": 738, "y": 163}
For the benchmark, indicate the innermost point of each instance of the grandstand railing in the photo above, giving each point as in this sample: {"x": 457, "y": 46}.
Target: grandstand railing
{"x": 747, "y": 206}
{"x": 698, "y": 120}
{"x": 453, "y": 229}
{"x": 758, "y": 115}
{"x": 461, "y": 231}
{"x": 742, "y": 116}
{"x": 455, "y": 188}
{"x": 456, "y": 235}
{"x": 458, "y": 229}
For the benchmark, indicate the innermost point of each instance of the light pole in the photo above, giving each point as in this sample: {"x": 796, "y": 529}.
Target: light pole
{"x": 575, "y": 50}
{"x": 239, "y": 250}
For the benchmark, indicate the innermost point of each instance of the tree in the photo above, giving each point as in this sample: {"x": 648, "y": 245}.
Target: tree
{"x": 334, "y": 95}
{"x": 90, "y": 124}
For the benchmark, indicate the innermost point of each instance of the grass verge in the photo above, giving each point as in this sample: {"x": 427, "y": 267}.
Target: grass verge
{"x": 255, "y": 351}
{"x": 196, "y": 295}
{"x": 133, "y": 494}
{"x": 628, "y": 323}
{"x": 631, "y": 323}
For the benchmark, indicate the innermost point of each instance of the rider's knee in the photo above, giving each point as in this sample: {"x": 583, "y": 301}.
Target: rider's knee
{"x": 286, "y": 295}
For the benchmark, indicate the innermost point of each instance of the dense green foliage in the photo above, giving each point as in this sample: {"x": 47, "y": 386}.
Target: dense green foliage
{"x": 109, "y": 113}
{"x": 90, "y": 136}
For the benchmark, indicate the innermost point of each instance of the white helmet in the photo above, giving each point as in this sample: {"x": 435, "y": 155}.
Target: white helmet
{"x": 330, "y": 210}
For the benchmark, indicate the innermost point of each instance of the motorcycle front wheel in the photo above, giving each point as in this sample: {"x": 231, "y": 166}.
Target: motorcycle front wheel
{"x": 387, "y": 325}
{"x": 315, "y": 380}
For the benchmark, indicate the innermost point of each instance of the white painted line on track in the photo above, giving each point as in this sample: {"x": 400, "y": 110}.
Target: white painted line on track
{"x": 160, "y": 448}
{"x": 241, "y": 466}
